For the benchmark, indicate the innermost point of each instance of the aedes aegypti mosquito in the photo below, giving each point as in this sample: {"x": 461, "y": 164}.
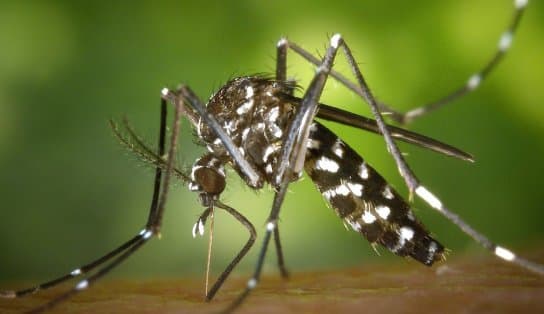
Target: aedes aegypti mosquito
{"x": 257, "y": 125}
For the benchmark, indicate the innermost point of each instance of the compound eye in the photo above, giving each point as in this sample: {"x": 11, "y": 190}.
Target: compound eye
{"x": 210, "y": 180}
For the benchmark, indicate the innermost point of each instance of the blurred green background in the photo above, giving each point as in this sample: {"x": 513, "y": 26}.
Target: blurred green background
{"x": 70, "y": 192}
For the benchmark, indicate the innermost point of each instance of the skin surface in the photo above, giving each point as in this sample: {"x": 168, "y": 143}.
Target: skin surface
{"x": 465, "y": 284}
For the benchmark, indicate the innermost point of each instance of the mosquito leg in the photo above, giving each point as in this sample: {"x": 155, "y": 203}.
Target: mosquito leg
{"x": 475, "y": 80}
{"x": 84, "y": 284}
{"x": 472, "y": 83}
{"x": 252, "y": 283}
{"x": 75, "y": 273}
{"x": 158, "y": 170}
{"x": 281, "y": 75}
{"x": 121, "y": 253}
{"x": 252, "y": 235}
{"x": 158, "y": 203}
{"x": 160, "y": 196}
{"x": 279, "y": 252}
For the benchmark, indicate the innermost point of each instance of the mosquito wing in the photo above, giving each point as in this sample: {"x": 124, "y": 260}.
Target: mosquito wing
{"x": 338, "y": 115}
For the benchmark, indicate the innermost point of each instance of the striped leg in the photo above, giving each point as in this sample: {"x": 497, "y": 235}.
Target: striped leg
{"x": 252, "y": 235}
{"x": 198, "y": 229}
{"x": 472, "y": 83}
{"x": 121, "y": 253}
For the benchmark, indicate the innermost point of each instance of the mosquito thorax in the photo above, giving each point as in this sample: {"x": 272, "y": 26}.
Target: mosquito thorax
{"x": 255, "y": 113}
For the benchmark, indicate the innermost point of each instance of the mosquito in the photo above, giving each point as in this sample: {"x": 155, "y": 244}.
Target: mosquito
{"x": 258, "y": 127}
